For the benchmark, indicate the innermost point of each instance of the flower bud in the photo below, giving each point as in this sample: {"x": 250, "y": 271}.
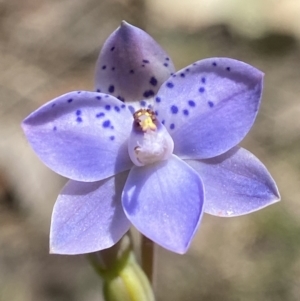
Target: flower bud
{"x": 124, "y": 280}
{"x": 129, "y": 284}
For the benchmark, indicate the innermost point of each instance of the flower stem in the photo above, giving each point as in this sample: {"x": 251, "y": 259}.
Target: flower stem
{"x": 148, "y": 257}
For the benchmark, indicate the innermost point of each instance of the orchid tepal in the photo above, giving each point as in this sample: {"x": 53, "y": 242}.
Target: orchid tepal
{"x": 151, "y": 148}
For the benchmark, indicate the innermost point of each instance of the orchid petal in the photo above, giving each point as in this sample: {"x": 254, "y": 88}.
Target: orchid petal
{"x": 81, "y": 135}
{"x": 131, "y": 65}
{"x": 209, "y": 106}
{"x": 88, "y": 217}
{"x": 164, "y": 201}
{"x": 236, "y": 183}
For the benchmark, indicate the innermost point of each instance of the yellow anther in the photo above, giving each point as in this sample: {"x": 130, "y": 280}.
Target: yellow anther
{"x": 145, "y": 118}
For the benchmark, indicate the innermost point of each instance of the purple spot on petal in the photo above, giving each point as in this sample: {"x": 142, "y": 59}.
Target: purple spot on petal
{"x": 143, "y": 65}
{"x": 106, "y": 123}
{"x": 113, "y": 68}
{"x": 166, "y": 65}
{"x": 100, "y": 115}
{"x": 146, "y": 61}
{"x": 163, "y": 122}
{"x": 158, "y": 99}
{"x": 53, "y": 105}
{"x": 112, "y": 48}
{"x": 117, "y": 109}
{"x": 186, "y": 112}
{"x": 228, "y": 68}
{"x": 203, "y": 80}
{"x": 98, "y": 90}
{"x": 104, "y": 67}
{"x": 78, "y": 112}
{"x": 112, "y": 127}
{"x": 131, "y": 109}
{"x": 98, "y": 97}
{"x": 187, "y": 69}
{"x": 156, "y": 113}
{"x": 123, "y": 106}
{"x": 201, "y": 90}
{"x": 170, "y": 85}
{"x": 194, "y": 64}
{"x": 174, "y": 75}
{"x": 70, "y": 100}
{"x": 174, "y": 109}
{"x": 153, "y": 81}
{"x": 79, "y": 119}
{"x": 131, "y": 71}
{"x": 121, "y": 98}
{"x": 54, "y": 128}
{"x": 78, "y": 92}
{"x": 182, "y": 74}
{"x": 214, "y": 64}
{"x": 143, "y": 103}
{"x": 106, "y": 95}
{"x": 148, "y": 93}
{"x": 191, "y": 103}
{"x": 107, "y": 107}
{"x": 112, "y": 138}
{"x": 167, "y": 59}
{"x": 111, "y": 89}
{"x": 172, "y": 126}
{"x": 211, "y": 104}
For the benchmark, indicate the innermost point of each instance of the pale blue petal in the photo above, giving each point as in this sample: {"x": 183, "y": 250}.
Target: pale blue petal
{"x": 88, "y": 217}
{"x": 235, "y": 183}
{"x": 81, "y": 135}
{"x": 131, "y": 65}
{"x": 209, "y": 106}
{"x": 164, "y": 201}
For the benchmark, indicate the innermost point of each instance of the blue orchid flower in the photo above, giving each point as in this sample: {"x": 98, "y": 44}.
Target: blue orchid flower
{"x": 151, "y": 148}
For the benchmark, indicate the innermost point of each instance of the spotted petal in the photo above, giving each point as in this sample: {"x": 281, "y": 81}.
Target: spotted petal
{"x": 164, "y": 201}
{"x": 236, "y": 183}
{"x": 81, "y": 135}
{"x": 88, "y": 217}
{"x": 131, "y": 65}
{"x": 209, "y": 106}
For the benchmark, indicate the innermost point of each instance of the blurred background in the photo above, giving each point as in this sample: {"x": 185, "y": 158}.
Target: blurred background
{"x": 49, "y": 47}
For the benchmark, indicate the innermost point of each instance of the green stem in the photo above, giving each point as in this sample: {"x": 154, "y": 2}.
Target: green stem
{"x": 147, "y": 254}
{"x": 107, "y": 262}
